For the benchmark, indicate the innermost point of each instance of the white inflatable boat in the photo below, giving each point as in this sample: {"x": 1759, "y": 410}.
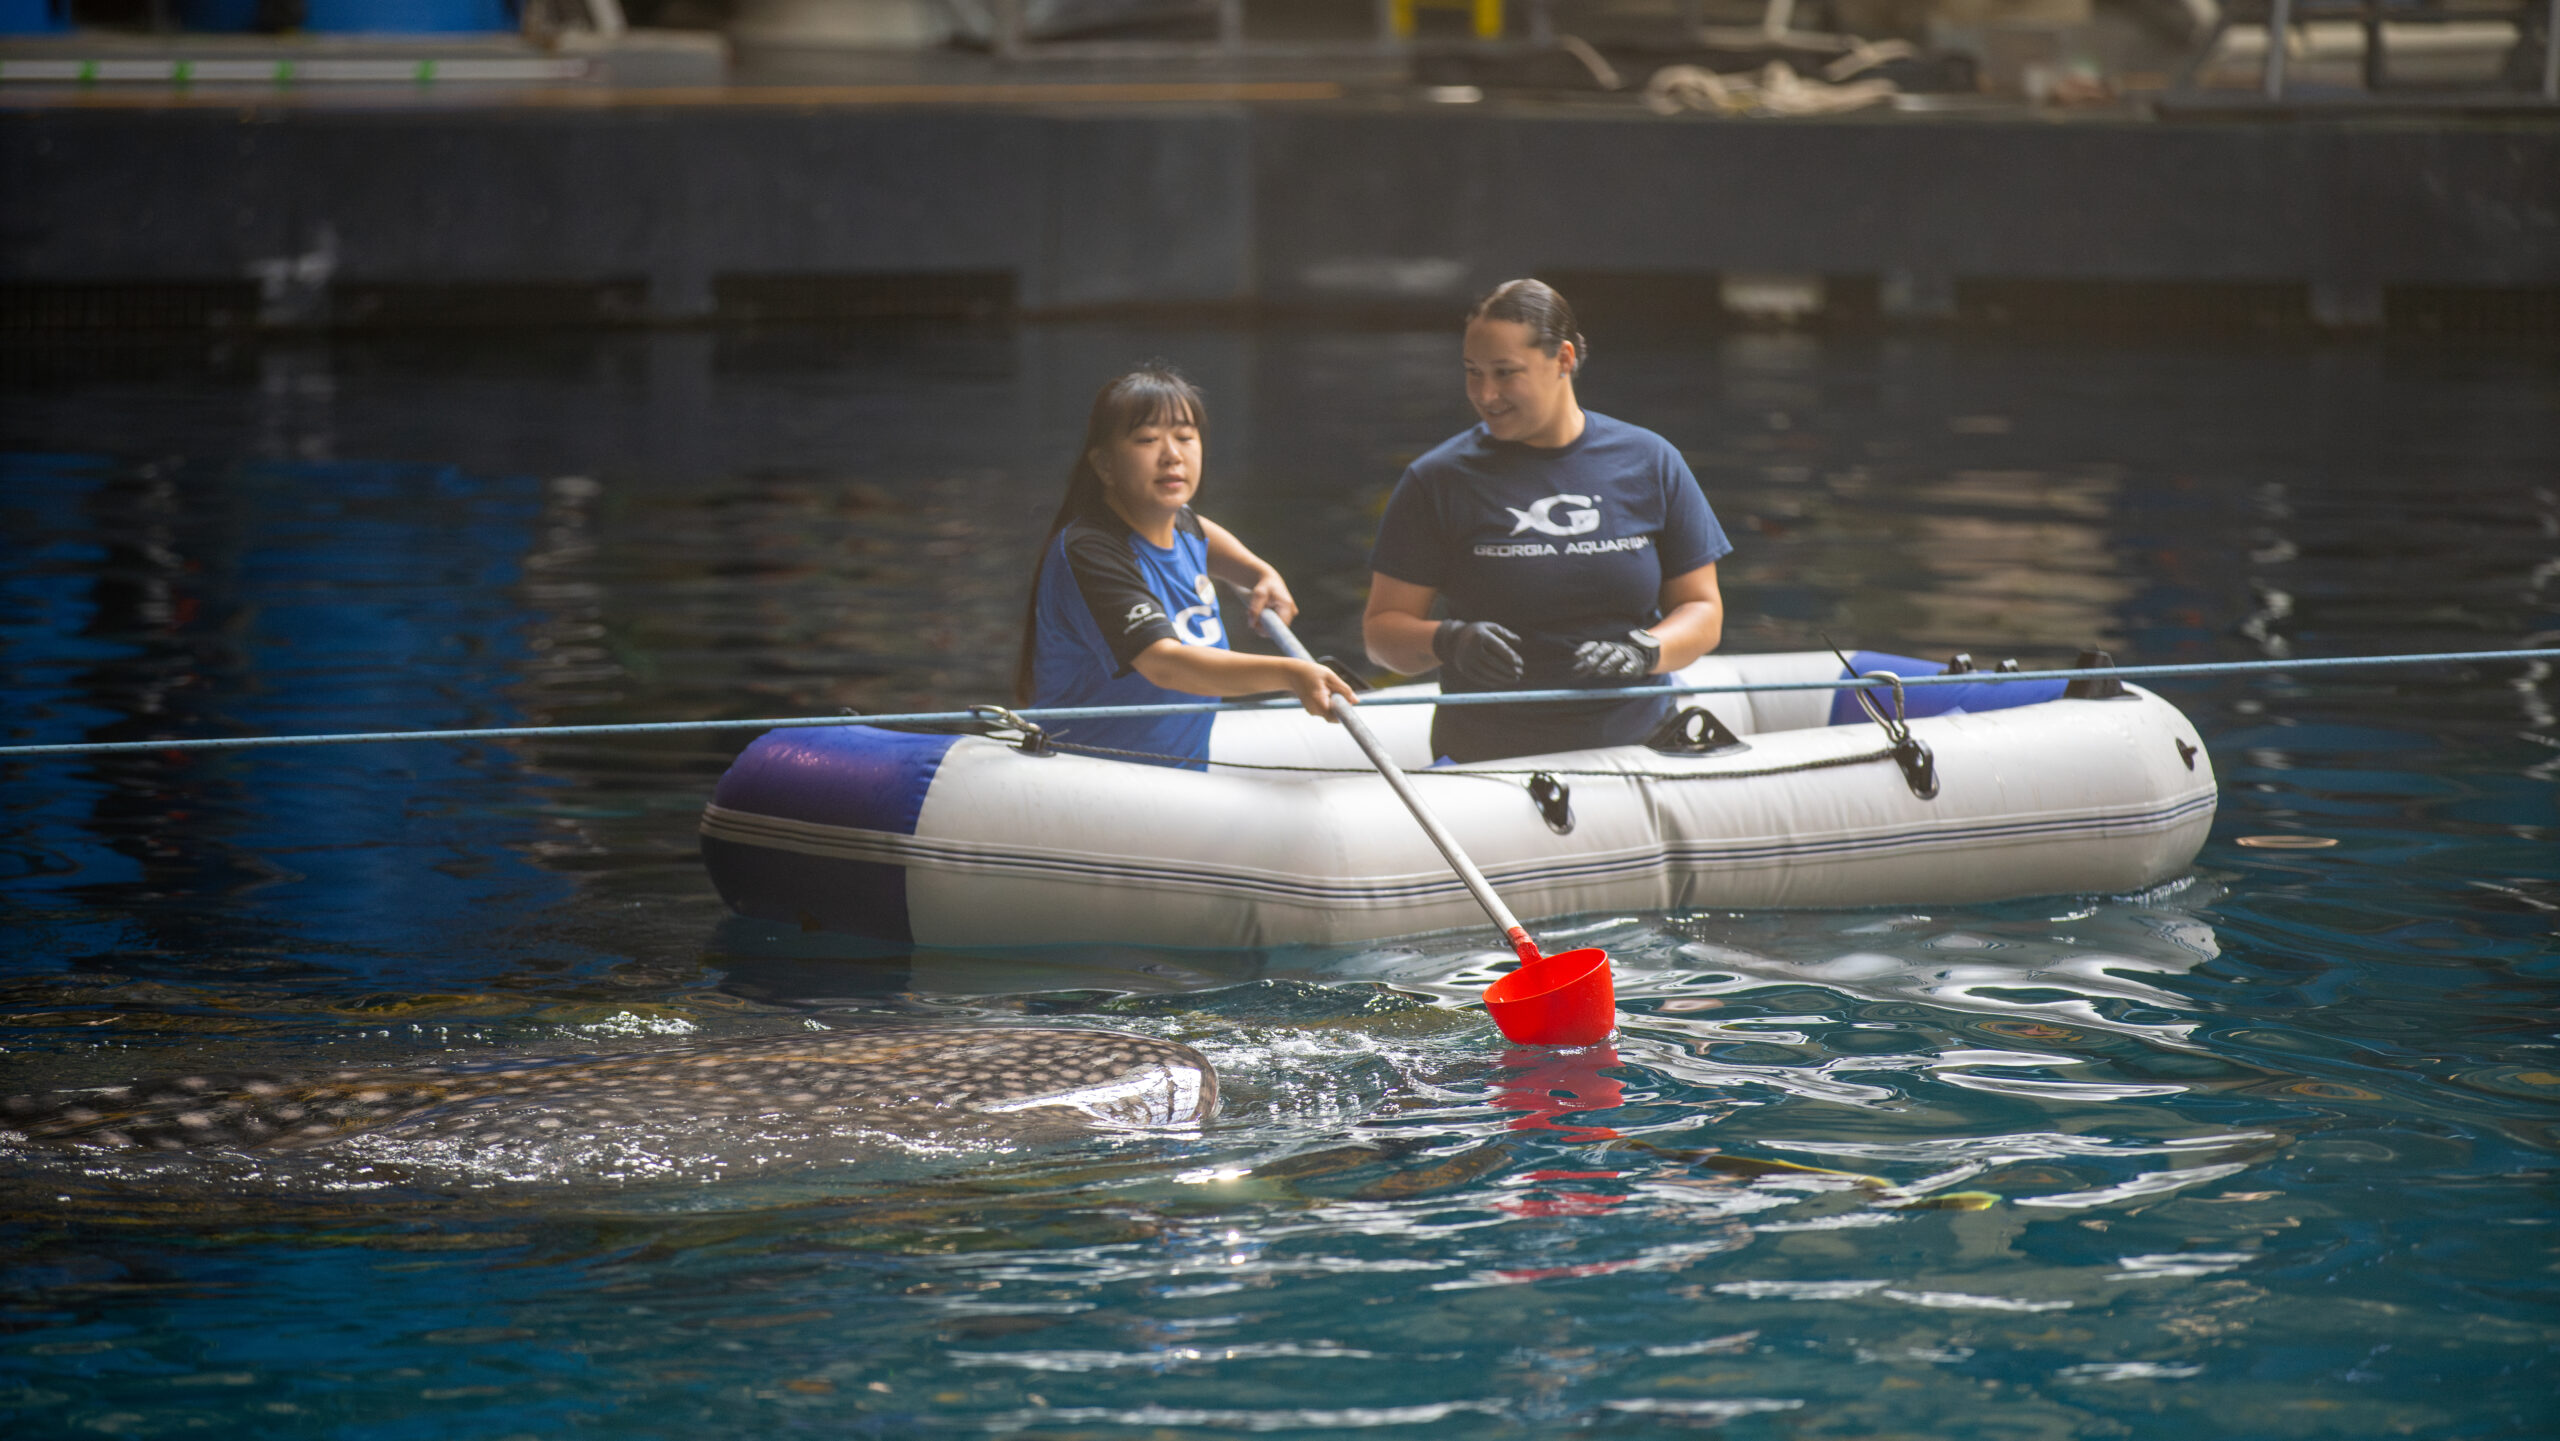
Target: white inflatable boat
{"x": 1798, "y": 799}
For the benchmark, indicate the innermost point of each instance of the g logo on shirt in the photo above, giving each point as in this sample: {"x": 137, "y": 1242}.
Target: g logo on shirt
{"x": 1198, "y": 624}
{"x": 1540, "y": 516}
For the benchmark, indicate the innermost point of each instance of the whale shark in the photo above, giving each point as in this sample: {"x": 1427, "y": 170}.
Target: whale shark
{"x": 724, "y": 1105}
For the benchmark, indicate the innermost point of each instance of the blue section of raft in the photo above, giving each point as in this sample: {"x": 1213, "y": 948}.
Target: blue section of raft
{"x": 1934, "y": 700}
{"x": 855, "y": 776}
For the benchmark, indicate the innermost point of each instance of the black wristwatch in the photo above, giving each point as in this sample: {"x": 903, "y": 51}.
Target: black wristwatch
{"x": 1651, "y": 644}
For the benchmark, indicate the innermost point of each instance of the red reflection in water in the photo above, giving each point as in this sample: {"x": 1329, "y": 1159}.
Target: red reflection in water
{"x": 1573, "y": 1203}
{"x": 1551, "y": 1083}
{"x": 1569, "y": 1273}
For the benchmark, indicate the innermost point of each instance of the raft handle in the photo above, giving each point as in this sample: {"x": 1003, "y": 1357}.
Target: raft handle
{"x": 1554, "y": 800}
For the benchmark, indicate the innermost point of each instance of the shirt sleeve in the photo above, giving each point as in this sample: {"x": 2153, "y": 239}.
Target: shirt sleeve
{"x": 1691, "y": 535}
{"x": 1409, "y": 545}
{"x": 1124, "y": 610}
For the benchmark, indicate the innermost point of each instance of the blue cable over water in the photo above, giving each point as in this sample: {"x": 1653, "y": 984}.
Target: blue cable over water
{"x": 1101, "y": 712}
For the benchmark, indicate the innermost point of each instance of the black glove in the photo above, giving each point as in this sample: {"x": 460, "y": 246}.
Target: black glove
{"x": 1478, "y": 651}
{"x": 1617, "y": 659}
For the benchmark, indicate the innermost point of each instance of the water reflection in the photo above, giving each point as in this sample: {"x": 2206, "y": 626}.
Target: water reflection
{"x": 1546, "y": 1084}
{"x": 2065, "y": 1168}
{"x": 2018, "y": 553}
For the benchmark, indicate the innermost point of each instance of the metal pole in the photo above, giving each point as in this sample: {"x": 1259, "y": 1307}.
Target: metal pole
{"x": 2279, "y": 28}
{"x": 1008, "y": 36}
{"x": 2373, "y": 61}
{"x": 2551, "y": 54}
{"x": 1231, "y": 25}
{"x": 1345, "y": 712}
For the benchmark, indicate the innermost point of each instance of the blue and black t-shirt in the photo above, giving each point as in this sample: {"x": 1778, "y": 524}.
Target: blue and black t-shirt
{"x": 1562, "y": 546}
{"x": 1106, "y": 594}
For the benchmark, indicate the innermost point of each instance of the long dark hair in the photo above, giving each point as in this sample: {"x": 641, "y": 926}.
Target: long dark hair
{"x": 1153, "y": 394}
{"x": 1535, "y": 305}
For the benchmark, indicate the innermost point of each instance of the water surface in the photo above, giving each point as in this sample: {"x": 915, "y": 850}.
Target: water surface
{"x": 2272, "y": 1146}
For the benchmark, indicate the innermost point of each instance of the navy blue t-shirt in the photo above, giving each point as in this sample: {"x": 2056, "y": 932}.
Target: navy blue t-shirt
{"x": 1561, "y": 546}
{"x": 1105, "y": 594}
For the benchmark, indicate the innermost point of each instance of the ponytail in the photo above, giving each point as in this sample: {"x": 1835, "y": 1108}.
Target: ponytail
{"x": 1153, "y": 394}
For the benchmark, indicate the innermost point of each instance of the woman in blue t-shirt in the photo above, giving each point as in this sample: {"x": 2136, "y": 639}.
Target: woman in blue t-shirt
{"x": 1574, "y": 551}
{"x": 1124, "y": 609}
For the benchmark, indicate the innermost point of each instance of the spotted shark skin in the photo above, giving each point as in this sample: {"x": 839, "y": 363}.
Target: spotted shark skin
{"x": 907, "y": 1081}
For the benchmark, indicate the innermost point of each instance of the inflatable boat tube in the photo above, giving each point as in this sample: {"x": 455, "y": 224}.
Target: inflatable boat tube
{"x": 960, "y": 840}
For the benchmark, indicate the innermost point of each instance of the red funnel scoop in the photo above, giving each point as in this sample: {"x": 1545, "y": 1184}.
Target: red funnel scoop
{"x": 1559, "y": 1000}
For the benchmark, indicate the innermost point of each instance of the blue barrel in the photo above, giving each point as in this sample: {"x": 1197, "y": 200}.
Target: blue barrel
{"x": 34, "y": 17}
{"x": 407, "y": 17}
{"x": 219, "y": 16}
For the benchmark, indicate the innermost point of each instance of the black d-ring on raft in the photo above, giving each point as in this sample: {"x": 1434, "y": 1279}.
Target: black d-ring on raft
{"x": 1554, "y": 800}
{"x": 2096, "y": 687}
{"x": 1695, "y": 731}
{"x": 1919, "y": 767}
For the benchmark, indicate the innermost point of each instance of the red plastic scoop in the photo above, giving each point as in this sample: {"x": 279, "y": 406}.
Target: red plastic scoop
{"x": 1561, "y": 1000}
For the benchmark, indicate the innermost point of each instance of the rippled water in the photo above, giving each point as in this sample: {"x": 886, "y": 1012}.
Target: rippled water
{"x": 2268, "y": 1152}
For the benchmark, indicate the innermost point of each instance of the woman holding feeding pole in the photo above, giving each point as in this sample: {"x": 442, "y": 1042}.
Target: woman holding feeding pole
{"x": 1573, "y": 551}
{"x": 1124, "y": 607}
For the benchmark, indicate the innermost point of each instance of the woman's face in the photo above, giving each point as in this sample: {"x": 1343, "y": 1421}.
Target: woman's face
{"x": 1518, "y": 389}
{"x": 1153, "y": 470}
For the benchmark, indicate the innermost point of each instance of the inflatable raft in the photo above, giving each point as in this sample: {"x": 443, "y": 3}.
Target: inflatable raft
{"x": 1784, "y": 799}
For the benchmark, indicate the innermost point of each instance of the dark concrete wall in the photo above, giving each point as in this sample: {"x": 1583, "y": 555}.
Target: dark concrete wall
{"x": 1089, "y": 207}
{"x": 2311, "y": 203}
{"x": 1079, "y": 211}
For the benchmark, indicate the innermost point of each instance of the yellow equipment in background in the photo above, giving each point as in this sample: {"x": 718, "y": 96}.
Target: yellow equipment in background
{"x": 1488, "y": 15}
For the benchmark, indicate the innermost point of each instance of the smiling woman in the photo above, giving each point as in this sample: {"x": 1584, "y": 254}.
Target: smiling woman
{"x": 1575, "y": 551}
{"x": 1124, "y": 605}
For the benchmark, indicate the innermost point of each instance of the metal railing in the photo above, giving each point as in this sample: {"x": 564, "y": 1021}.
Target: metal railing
{"x": 2281, "y": 18}
{"x": 1488, "y": 22}
{"x": 1011, "y": 39}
